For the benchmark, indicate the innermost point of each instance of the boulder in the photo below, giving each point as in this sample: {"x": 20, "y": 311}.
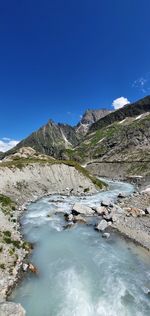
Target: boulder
{"x": 82, "y": 209}
{"x": 25, "y": 267}
{"x": 102, "y": 225}
{"x": 108, "y": 217}
{"x": 106, "y": 202}
{"x": 101, "y": 210}
{"x": 79, "y": 219}
{"x": 32, "y": 268}
{"x": 13, "y": 309}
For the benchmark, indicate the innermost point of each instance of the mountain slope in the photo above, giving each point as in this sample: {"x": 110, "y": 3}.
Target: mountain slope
{"x": 122, "y": 136}
{"x": 128, "y": 139}
{"x": 129, "y": 110}
{"x": 50, "y": 139}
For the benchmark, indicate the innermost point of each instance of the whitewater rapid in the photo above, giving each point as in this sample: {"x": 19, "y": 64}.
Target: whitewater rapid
{"x": 80, "y": 273}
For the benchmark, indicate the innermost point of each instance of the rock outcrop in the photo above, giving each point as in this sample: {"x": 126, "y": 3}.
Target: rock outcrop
{"x": 88, "y": 118}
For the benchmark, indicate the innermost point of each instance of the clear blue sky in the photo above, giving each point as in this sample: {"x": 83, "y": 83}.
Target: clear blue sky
{"x": 58, "y": 58}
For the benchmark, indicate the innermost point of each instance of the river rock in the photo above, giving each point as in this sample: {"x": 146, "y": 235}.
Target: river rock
{"x": 106, "y": 235}
{"x": 102, "y": 225}
{"x": 82, "y": 209}
{"x": 32, "y": 268}
{"x": 25, "y": 267}
{"x": 11, "y": 309}
{"x": 101, "y": 210}
{"x": 79, "y": 219}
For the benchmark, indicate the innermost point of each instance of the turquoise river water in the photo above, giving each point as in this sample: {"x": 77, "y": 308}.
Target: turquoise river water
{"x": 81, "y": 273}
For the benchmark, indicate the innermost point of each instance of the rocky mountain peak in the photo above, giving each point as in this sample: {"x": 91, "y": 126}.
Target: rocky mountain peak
{"x": 91, "y": 116}
{"x": 88, "y": 118}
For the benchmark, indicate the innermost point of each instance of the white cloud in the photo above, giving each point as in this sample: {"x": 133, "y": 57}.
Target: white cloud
{"x": 7, "y": 143}
{"x": 142, "y": 83}
{"x": 120, "y": 102}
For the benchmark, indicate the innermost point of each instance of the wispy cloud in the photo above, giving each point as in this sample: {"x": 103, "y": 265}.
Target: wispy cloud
{"x": 142, "y": 83}
{"x": 7, "y": 143}
{"x": 120, "y": 102}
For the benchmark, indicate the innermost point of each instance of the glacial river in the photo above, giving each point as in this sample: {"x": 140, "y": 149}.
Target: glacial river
{"x": 81, "y": 273}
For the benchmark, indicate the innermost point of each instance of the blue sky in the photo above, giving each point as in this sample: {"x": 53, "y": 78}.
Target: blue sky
{"x": 58, "y": 58}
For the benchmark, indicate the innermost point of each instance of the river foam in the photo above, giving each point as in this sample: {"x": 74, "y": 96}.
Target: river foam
{"x": 80, "y": 273}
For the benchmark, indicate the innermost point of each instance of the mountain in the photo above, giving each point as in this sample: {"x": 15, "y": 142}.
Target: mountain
{"x": 52, "y": 139}
{"x": 88, "y": 118}
{"x": 121, "y": 136}
{"x": 129, "y": 110}
{"x": 118, "y": 136}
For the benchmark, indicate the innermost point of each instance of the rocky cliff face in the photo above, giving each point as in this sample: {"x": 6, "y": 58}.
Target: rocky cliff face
{"x": 88, "y": 118}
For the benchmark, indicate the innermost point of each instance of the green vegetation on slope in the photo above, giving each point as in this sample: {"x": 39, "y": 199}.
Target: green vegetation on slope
{"x": 126, "y": 140}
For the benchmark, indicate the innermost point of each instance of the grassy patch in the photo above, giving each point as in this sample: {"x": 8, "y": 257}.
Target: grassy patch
{"x": 6, "y": 204}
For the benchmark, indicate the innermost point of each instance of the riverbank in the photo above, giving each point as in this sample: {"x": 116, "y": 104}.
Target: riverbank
{"x": 135, "y": 220}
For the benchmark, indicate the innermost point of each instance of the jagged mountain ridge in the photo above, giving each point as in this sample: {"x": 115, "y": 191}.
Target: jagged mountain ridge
{"x": 120, "y": 135}
{"x": 52, "y": 139}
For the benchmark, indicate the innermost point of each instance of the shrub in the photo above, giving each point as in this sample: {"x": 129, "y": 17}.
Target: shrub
{"x": 7, "y": 240}
{"x": 16, "y": 243}
{"x": 7, "y": 233}
{"x": 2, "y": 266}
